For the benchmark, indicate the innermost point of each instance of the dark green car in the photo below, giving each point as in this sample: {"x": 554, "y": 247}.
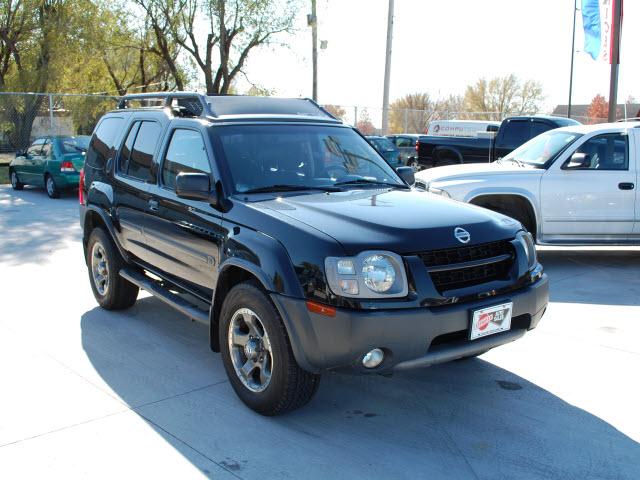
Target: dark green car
{"x": 52, "y": 162}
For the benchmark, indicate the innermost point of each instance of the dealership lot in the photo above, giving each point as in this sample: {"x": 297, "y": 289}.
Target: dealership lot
{"x": 92, "y": 393}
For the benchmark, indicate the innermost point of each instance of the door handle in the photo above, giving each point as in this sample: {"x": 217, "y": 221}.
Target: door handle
{"x": 153, "y": 205}
{"x": 626, "y": 186}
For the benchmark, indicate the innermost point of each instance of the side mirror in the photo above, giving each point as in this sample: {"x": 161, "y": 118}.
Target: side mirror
{"x": 406, "y": 174}
{"x": 195, "y": 186}
{"x": 21, "y": 153}
{"x": 578, "y": 160}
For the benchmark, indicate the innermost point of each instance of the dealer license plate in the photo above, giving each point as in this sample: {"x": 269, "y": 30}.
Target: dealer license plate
{"x": 490, "y": 320}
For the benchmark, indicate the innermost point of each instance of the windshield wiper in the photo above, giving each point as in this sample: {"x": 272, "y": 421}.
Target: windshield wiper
{"x": 360, "y": 181}
{"x": 291, "y": 188}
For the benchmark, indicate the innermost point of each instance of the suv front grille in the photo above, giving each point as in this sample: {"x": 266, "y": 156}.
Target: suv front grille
{"x": 462, "y": 267}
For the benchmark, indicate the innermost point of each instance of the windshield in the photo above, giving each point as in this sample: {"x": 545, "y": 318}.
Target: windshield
{"x": 74, "y": 144}
{"x": 543, "y": 148}
{"x": 301, "y": 157}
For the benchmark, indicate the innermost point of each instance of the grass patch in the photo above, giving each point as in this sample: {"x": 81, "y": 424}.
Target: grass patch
{"x": 5, "y": 159}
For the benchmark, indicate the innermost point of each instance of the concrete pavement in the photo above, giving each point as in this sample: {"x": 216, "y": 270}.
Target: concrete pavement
{"x": 86, "y": 393}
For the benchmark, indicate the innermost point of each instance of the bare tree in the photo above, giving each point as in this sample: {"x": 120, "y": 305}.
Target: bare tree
{"x": 235, "y": 28}
{"x": 411, "y": 113}
{"x": 164, "y": 18}
{"x": 502, "y": 96}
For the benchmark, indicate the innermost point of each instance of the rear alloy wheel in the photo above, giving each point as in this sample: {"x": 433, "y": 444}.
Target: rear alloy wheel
{"x": 104, "y": 262}
{"x": 257, "y": 354}
{"x": 413, "y": 163}
{"x": 15, "y": 182}
{"x": 50, "y": 185}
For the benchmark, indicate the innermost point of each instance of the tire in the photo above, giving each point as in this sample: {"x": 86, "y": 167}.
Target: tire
{"x": 51, "y": 187}
{"x": 519, "y": 215}
{"x": 275, "y": 383}
{"x": 104, "y": 262}
{"x": 445, "y": 159}
{"x": 413, "y": 163}
{"x": 15, "y": 181}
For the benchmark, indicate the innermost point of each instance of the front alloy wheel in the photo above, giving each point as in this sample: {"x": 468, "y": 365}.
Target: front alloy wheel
{"x": 15, "y": 182}
{"x": 250, "y": 350}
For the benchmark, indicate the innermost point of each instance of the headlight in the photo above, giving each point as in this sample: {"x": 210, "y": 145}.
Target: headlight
{"x": 371, "y": 274}
{"x": 529, "y": 247}
{"x": 438, "y": 191}
{"x": 378, "y": 273}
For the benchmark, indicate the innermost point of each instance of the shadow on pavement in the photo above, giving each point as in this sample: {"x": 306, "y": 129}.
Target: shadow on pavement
{"x": 33, "y": 225}
{"x": 597, "y": 276}
{"x": 468, "y": 419}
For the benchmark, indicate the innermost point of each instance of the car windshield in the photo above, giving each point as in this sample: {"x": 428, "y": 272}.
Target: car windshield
{"x": 74, "y": 144}
{"x": 538, "y": 151}
{"x": 301, "y": 157}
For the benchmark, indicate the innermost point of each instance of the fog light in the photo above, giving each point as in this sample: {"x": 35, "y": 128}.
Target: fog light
{"x": 373, "y": 358}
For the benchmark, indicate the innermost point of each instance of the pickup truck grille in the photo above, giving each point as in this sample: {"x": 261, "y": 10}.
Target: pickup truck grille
{"x": 462, "y": 267}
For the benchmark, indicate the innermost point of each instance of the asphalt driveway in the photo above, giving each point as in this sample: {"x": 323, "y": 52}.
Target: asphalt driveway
{"x": 90, "y": 393}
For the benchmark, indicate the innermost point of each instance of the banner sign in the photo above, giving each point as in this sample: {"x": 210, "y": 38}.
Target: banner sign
{"x": 597, "y": 19}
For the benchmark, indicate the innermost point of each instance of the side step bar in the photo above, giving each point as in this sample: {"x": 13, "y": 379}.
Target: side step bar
{"x": 157, "y": 290}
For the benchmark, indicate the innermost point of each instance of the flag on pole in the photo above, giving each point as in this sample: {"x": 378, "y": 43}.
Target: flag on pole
{"x": 597, "y": 19}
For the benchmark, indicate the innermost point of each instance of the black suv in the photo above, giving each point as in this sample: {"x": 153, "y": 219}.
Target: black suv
{"x": 292, "y": 238}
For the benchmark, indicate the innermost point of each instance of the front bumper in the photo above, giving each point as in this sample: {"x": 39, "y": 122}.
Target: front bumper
{"x": 411, "y": 338}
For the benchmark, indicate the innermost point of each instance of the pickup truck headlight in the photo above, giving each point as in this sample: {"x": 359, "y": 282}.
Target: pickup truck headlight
{"x": 529, "y": 247}
{"x": 371, "y": 274}
{"x": 438, "y": 191}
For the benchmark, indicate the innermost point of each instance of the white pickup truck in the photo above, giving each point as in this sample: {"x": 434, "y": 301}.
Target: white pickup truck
{"x": 572, "y": 186}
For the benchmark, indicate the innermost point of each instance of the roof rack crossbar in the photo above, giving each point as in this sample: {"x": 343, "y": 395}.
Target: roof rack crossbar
{"x": 168, "y": 99}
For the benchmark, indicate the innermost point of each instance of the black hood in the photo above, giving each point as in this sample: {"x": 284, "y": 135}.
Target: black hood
{"x": 403, "y": 221}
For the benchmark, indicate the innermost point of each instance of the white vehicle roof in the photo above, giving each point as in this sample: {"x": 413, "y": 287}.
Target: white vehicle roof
{"x": 600, "y": 127}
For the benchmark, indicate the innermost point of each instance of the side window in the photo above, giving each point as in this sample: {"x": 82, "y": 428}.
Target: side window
{"x": 404, "y": 142}
{"x": 540, "y": 127}
{"x": 103, "y": 141}
{"x": 125, "y": 154}
{"x": 141, "y": 158}
{"x": 515, "y": 133}
{"x": 186, "y": 153}
{"x": 46, "y": 148}
{"x": 36, "y": 148}
{"x": 606, "y": 152}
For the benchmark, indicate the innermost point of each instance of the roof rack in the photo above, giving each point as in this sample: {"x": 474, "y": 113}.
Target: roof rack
{"x": 189, "y": 103}
{"x": 222, "y": 107}
{"x": 630, "y": 119}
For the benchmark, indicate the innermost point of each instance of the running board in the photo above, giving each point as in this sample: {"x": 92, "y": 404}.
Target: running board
{"x": 170, "y": 298}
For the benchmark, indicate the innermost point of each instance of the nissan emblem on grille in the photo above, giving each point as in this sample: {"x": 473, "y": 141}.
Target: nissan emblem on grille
{"x": 462, "y": 235}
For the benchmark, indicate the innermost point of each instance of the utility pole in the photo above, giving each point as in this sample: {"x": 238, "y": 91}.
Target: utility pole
{"x": 387, "y": 71}
{"x": 615, "y": 58}
{"x": 312, "y": 21}
{"x": 573, "y": 52}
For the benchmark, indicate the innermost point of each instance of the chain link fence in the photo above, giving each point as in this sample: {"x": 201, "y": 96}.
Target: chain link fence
{"x": 369, "y": 120}
{"x": 26, "y": 116}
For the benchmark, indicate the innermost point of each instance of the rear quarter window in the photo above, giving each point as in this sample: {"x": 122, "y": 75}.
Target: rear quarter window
{"x": 103, "y": 141}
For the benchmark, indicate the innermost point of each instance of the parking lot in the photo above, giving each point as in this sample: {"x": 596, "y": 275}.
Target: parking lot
{"x": 91, "y": 393}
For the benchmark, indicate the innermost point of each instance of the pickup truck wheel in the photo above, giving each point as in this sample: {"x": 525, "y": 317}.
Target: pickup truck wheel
{"x": 257, "y": 354}
{"x": 413, "y": 163}
{"x": 112, "y": 292}
{"x": 15, "y": 182}
{"x": 50, "y": 186}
